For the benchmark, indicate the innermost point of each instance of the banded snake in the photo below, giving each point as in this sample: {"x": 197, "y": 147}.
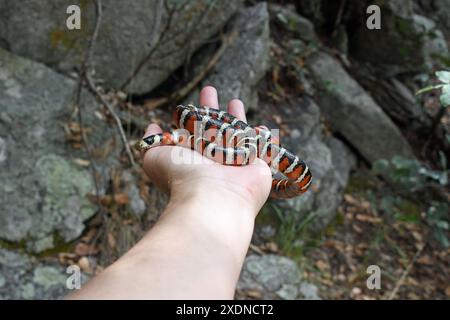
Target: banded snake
{"x": 234, "y": 142}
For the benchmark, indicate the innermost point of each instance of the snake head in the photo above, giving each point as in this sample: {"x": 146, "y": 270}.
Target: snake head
{"x": 141, "y": 145}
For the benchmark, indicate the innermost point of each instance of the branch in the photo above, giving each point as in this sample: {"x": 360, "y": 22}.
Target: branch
{"x": 153, "y": 48}
{"x": 183, "y": 92}
{"x": 405, "y": 273}
{"x": 82, "y": 72}
{"x": 110, "y": 108}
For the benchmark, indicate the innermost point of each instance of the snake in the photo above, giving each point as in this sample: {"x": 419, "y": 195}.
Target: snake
{"x": 225, "y": 139}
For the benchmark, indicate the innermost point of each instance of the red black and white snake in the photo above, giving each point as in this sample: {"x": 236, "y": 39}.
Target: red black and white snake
{"x": 225, "y": 139}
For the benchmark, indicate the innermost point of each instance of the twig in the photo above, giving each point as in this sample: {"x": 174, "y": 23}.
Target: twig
{"x": 433, "y": 129}
{"x": 110, "y": 108}
{"x": 79, "y": 106}
{"x": 154, "y": 36}
{"x": 183, "y": 92}
{"x": 405, "y": 273}
{"x": 339, "y": 14}
{"x": 153, "y": 48}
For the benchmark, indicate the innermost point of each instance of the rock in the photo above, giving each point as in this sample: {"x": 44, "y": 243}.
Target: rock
{"x": 413, "y": 41}
{"x": 43, "y": 192}
{"x": 276, "y": 277}
{"x": 302, "y": 27}
{"x": 395, "y": 97}
{"x": 329, "y": 160}
{"x": 353, "y": 113}
{"x": 439, "y": 11}
{"x": 137, "y": 205}
{"x": 24, "y": 277}
{"x": 309, "y": 291}
{"x": 245, "y": 61}
{"x": 38, "y": 31}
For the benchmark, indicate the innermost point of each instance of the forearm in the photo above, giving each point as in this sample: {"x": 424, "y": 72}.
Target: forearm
{"x": 196, "y": 250}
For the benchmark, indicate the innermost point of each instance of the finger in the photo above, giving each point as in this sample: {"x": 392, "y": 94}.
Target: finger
{"x": 208, "y": 97}
{"x": 264, "y": 127}
{"x": 152, "y": 129}
{"x": 236, "y": 108}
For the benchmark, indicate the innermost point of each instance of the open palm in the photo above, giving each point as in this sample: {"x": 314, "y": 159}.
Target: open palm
{"x": 180, "y": 170}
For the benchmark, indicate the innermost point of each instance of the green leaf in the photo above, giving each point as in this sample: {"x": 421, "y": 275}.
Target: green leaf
{"x": 442, "y": 224}
{"x": 441, "y": 236}
{"x": 380, "y": 166}
{"x": 445, "y": 96}
{"x": 443, "y": 76}
{"x": 282, "y": 18}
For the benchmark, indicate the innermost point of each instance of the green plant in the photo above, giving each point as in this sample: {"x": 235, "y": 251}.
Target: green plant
{"x": 444, "y": 78}
{"x": 410, "y": 179}
{"x": 437, "y": 217}
{"x": 289, "y": 231}
{"x": 410, "y": 175}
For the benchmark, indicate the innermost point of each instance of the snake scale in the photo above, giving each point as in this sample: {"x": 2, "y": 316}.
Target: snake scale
{"x": 225, "y": 139}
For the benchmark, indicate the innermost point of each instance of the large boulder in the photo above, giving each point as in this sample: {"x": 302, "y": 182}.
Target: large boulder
{"x": 245, "y": 61}
{"x": 43, "y": 193}
{"x": 406, "y": 41}
{"x": 394, "y": 95}
{"x": 353, "y": 113}
{"x": 439, "y": 11}
{"x": 38, "y": 31}
{"x": 329, "y": 160}
{"x": 292, "y": 21}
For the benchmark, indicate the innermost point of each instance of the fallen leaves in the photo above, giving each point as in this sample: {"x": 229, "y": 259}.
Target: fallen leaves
{"x": 84, "y": 249}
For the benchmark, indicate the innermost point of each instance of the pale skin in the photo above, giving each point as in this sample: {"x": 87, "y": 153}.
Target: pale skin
{"x": 197, "y": 248}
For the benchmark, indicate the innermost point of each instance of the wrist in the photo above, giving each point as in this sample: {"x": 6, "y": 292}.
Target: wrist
{"x": 215, "y": 194}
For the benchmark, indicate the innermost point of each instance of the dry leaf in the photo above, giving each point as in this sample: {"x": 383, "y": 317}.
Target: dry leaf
{"x": 447, "y": 292}
{"x": 253, "y": 294}
{"x": 350, "y": 199}
{"x": 111, "y": 240}
{"x": 89, "y": 235}
{"x": 83, "y": 249}
{"x": 121, "y": 198}
{"x": 81, "y": 162}
{"x": 66, "y": 258}
{"x": 368, "y": 218}
{"x": 425, "y": 259}
{"x": 278, "y": 120}
{"x": 85, "y": 265}
{"x": 271, "y": 246}
{"x": 321, "y": 265}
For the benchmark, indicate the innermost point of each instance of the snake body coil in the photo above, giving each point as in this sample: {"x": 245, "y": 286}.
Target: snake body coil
{"x": 225, "y": 139}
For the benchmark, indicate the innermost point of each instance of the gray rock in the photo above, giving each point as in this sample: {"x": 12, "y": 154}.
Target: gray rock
{"x": 24, "y": 277}
{"x": 43, "y": 193}
{"x": 137, "y": 205}
{"x": 394, "y": 96}
{"x": 353, "y": 113}
{"x": 302, "y": 27}
{"x": 245, "y": 61}
{"x": 276, "y": 277}
{"x": 38, "y": 31}
{"x": 412, "y": 41}
{"x": 309, "y": 291}
{"x": 439, "y": 11}
{"x": 329, "y": 160}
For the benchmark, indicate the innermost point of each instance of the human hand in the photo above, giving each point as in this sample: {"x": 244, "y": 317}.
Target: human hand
{"x": 199, "y": 177}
